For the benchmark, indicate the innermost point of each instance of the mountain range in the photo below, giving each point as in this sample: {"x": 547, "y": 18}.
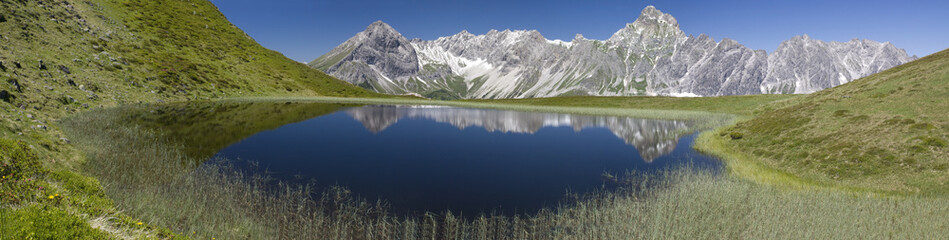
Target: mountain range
{"x": 650, "y": 56}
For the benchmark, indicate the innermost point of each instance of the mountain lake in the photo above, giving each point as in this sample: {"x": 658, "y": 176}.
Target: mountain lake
{"x": 430, "y": 158}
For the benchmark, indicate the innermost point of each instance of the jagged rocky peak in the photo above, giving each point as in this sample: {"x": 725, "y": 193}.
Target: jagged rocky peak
{"x": 509, "y": 36}
{"x": 729, "y": 43}
{"x": 464, "y": 34}
{"x": 802, "y": 37}
{"x": 870, "y": 45}
{"x": 381, "y": 33}
{"x": 650, "y": 56}
{"x": 380, "y": 27}
{"x": 805, "y": 65}
{"x": 377, "y": 53}
{"x": 535, "y": 35}
{"x": 652, "y": 16}
{"x": 650, "y": 23}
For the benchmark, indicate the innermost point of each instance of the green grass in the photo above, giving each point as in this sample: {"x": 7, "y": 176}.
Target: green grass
{"x": 324, "y": 62}
{"x": 716, "y": 142}
{"x": 885, "y": 133}
{"x": 38, "y": 221}
{"x": 39, "y": 203}
{"x": 109, "y": 52}
{"x": 700, "y": 206}
{"x": 190, "y": 44}
{"x": 440, "y": 94}
{"x": 20, "y": 170}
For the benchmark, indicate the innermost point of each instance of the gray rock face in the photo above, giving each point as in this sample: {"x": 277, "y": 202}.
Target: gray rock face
{"x": 805, "y": 65}
{"x": 650, "y": 56}
{"x": 374, "y": 58}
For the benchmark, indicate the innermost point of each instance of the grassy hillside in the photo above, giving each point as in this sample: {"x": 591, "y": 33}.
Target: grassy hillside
{"x": 130, "y": 51}
{"x": 887, "y": 132}
{"x": 63, "y": 56}
{"x": 60, "y": 57}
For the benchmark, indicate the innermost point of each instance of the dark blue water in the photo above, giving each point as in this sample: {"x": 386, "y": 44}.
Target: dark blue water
{"x": 467, "y": 160}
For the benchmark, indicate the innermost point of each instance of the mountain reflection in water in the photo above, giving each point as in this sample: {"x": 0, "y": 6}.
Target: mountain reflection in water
{"x": 424, "y": 158}
{"x": 652, "y": 138}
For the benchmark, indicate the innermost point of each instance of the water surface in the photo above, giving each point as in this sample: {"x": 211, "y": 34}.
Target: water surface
{"x": 424, "y": 158}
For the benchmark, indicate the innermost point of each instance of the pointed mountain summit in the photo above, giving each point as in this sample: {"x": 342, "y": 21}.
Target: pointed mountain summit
{"x": 650, "y": 56}
{"x": 380, "y": 28}
{"x": 377, "y": 53}
{"x": 650, "y": 23}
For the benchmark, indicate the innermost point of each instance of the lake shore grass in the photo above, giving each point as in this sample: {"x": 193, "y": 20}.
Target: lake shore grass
{"x": 742, "y": 165}
{"x": 213, "y": 200}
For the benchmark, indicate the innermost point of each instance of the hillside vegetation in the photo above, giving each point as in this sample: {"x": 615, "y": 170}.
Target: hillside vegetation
{"x": 886, "y": 132}
{"x": 65, "y": 53}
{"x": 60, "y": 57}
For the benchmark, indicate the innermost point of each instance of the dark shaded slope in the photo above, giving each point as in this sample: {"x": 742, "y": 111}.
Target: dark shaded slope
{"x": 203, "y": 129}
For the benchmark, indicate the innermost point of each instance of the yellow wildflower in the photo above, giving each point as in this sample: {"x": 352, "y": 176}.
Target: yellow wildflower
{"x": 139, "y": 223}
{"x": 56, "y": 194}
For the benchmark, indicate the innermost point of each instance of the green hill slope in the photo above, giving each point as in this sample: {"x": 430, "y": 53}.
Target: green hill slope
{"x": 59, "y": 57}
{"x": 60, "y": 54}
{"x": 888, "y": 131}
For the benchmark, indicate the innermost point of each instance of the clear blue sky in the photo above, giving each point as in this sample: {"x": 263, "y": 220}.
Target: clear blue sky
{"x": 305, "y": 29}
